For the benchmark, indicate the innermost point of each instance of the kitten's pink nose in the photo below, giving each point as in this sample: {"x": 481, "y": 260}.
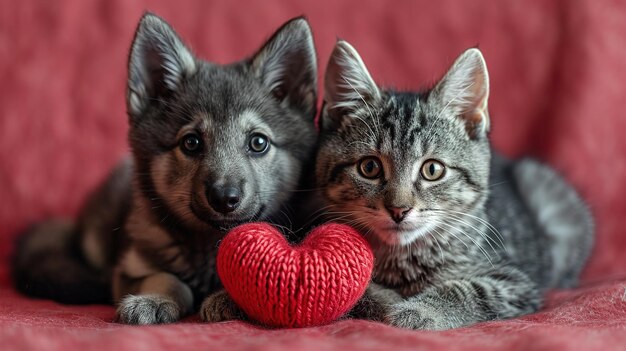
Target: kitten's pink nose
{"x": 398, "y": 213}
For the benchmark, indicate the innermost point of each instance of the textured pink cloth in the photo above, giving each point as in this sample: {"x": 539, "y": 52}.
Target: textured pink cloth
{"x": 558, "y": 77}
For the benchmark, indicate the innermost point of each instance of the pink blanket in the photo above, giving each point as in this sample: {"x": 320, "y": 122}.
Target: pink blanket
{"x": 558, "y": 75}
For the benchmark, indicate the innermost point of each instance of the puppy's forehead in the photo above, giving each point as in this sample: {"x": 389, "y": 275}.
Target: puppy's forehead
{"x": 247, "y": 121}
{"x": 251, "y": 119}
{"x": 219, "y": 96}
{"x": 222, "y": 89}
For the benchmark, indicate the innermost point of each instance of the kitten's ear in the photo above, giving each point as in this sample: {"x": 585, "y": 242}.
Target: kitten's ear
{"x": 465, "y": 90}
{"x": 287, "y": 65}
{"x": 157, "y": 63}
{"x": 348, "y": 85}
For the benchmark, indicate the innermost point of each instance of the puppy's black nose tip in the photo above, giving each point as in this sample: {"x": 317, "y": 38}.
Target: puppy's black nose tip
{"x": 224, "y": 199}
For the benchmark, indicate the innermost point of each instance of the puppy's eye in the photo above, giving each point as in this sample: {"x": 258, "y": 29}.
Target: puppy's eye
{"x": 433, "y": 170}
{"x": 279, "y": 93}
{"x": 370, "y": 167}
{"x": 191, "y": 144}
{"x": 258, "y": 143}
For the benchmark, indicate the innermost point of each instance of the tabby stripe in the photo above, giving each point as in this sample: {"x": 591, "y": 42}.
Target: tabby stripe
{"x": 466, "y": 176}
{"x": 408, "y": 115}
{"x": 483, "y": 297}
{"x": 412, "y": 135}
{"x": 334, "y": 173}
{"x": 457, "y": 290}
{"x": 392, "y": 132}
{"x": 501, "y": 277}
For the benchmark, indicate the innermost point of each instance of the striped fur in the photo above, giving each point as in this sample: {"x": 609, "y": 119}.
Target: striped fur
{"x": 480, "y": 243}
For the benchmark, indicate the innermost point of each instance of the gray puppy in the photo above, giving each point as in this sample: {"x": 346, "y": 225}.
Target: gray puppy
{"x": 213, "y": 146}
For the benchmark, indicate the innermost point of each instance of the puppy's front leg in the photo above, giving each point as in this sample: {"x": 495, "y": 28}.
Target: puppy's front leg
{"x": 219, "y": 307}
{"x": 158, "y": 298}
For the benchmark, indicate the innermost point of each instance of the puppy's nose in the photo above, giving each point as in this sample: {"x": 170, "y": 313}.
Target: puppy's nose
{"x": 224, "y": 199}
{"x": 398, "y": 213}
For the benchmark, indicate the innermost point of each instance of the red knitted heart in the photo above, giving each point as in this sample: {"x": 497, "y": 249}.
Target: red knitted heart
{"x": 310, "y": 284}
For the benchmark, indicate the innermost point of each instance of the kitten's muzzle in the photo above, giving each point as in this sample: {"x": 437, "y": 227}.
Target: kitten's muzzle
{"x": 224, "y": 198}
{"x": 398, "y": 214}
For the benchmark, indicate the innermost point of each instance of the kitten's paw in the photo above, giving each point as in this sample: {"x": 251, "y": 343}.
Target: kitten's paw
{"x": 147, "y": 309}
{"x": 374, "y": 304}
{"x": 411, "y": 315}
{"x": 219, "y": 307}
{"x": 368, "y": 308}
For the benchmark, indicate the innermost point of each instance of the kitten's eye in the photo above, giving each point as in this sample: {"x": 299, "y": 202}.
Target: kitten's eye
{"x": 259, "y": 143}
{"x": 191, "y": 144}
{"x": 433, "y": 170}
{"x": 370, "y": 167}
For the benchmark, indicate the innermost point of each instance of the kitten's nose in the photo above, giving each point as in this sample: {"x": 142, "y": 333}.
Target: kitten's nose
{"x": 224, "y": 199}
{"x": 398, "y": 213}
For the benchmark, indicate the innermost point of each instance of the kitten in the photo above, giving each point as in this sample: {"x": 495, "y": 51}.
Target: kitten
{"x": 213, "y": 146}
{"x": 461, "y": 235}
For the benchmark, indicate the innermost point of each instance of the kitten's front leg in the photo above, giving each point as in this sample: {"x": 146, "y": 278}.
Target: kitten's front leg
{"x": 155, "y": 299}
{"x": 219, "y": 307}
{"x": 498, "y": 293}
{"x": 375, "y": 303}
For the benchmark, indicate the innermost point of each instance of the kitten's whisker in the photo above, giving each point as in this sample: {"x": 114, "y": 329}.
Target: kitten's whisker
{"x": 432, "y": 235}
{"x": 496, "y": 184}
{"x": 480, "y": 232}
{"x": 322, "y": 209}
{"x": 359, "y": 142}
{"x": 493, "y": 229}
{"x": 285, "y": 228}
{"x": 436, "y": 229}
{"x": 316, "y": 215}
{"x": 436, "y": 235}
{"x": 371, "y": 134}
{"x": 290, "y": 191}
{"x": 451, "y": 232}
{"x": 288, "y": 218}
{"x": 480, "y": 247}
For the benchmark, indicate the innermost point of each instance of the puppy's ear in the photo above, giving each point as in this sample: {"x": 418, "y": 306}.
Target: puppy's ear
{"x": 158, "y": 63}
{"x": 348, "y": 86}
{"x": 287, "y": 66}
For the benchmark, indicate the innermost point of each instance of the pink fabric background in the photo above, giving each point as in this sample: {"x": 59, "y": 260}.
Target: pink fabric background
{"x": 558, "y": 75}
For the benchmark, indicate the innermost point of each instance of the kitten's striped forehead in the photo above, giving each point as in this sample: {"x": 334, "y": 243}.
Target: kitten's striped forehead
{"x": 404, "y": 126}
{"x": 402, "y": 120}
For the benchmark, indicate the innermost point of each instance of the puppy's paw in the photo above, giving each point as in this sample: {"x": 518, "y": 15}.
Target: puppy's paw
{"x": 147, "y": 309}
{"x": 219, "y": 307}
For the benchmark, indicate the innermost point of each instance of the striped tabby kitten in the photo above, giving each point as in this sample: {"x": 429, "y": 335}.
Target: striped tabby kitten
{"x": 461, "y": 235}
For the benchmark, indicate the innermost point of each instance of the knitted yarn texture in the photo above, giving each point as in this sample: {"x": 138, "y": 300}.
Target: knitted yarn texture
{"x": 309, "y": 284}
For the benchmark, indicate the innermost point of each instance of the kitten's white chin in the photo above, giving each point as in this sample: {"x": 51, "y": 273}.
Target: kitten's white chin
{"x": 402, "y": 237}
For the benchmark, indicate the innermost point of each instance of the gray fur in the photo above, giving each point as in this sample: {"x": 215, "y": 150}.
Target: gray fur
{"x": 158, "y": 60}
{"x": 481, "y": 243}
{"x": 566, "y": 223}
{"x": 158, "y": 259}
{"x": 72, "y": 262}
{"x": 148, "y": 309}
